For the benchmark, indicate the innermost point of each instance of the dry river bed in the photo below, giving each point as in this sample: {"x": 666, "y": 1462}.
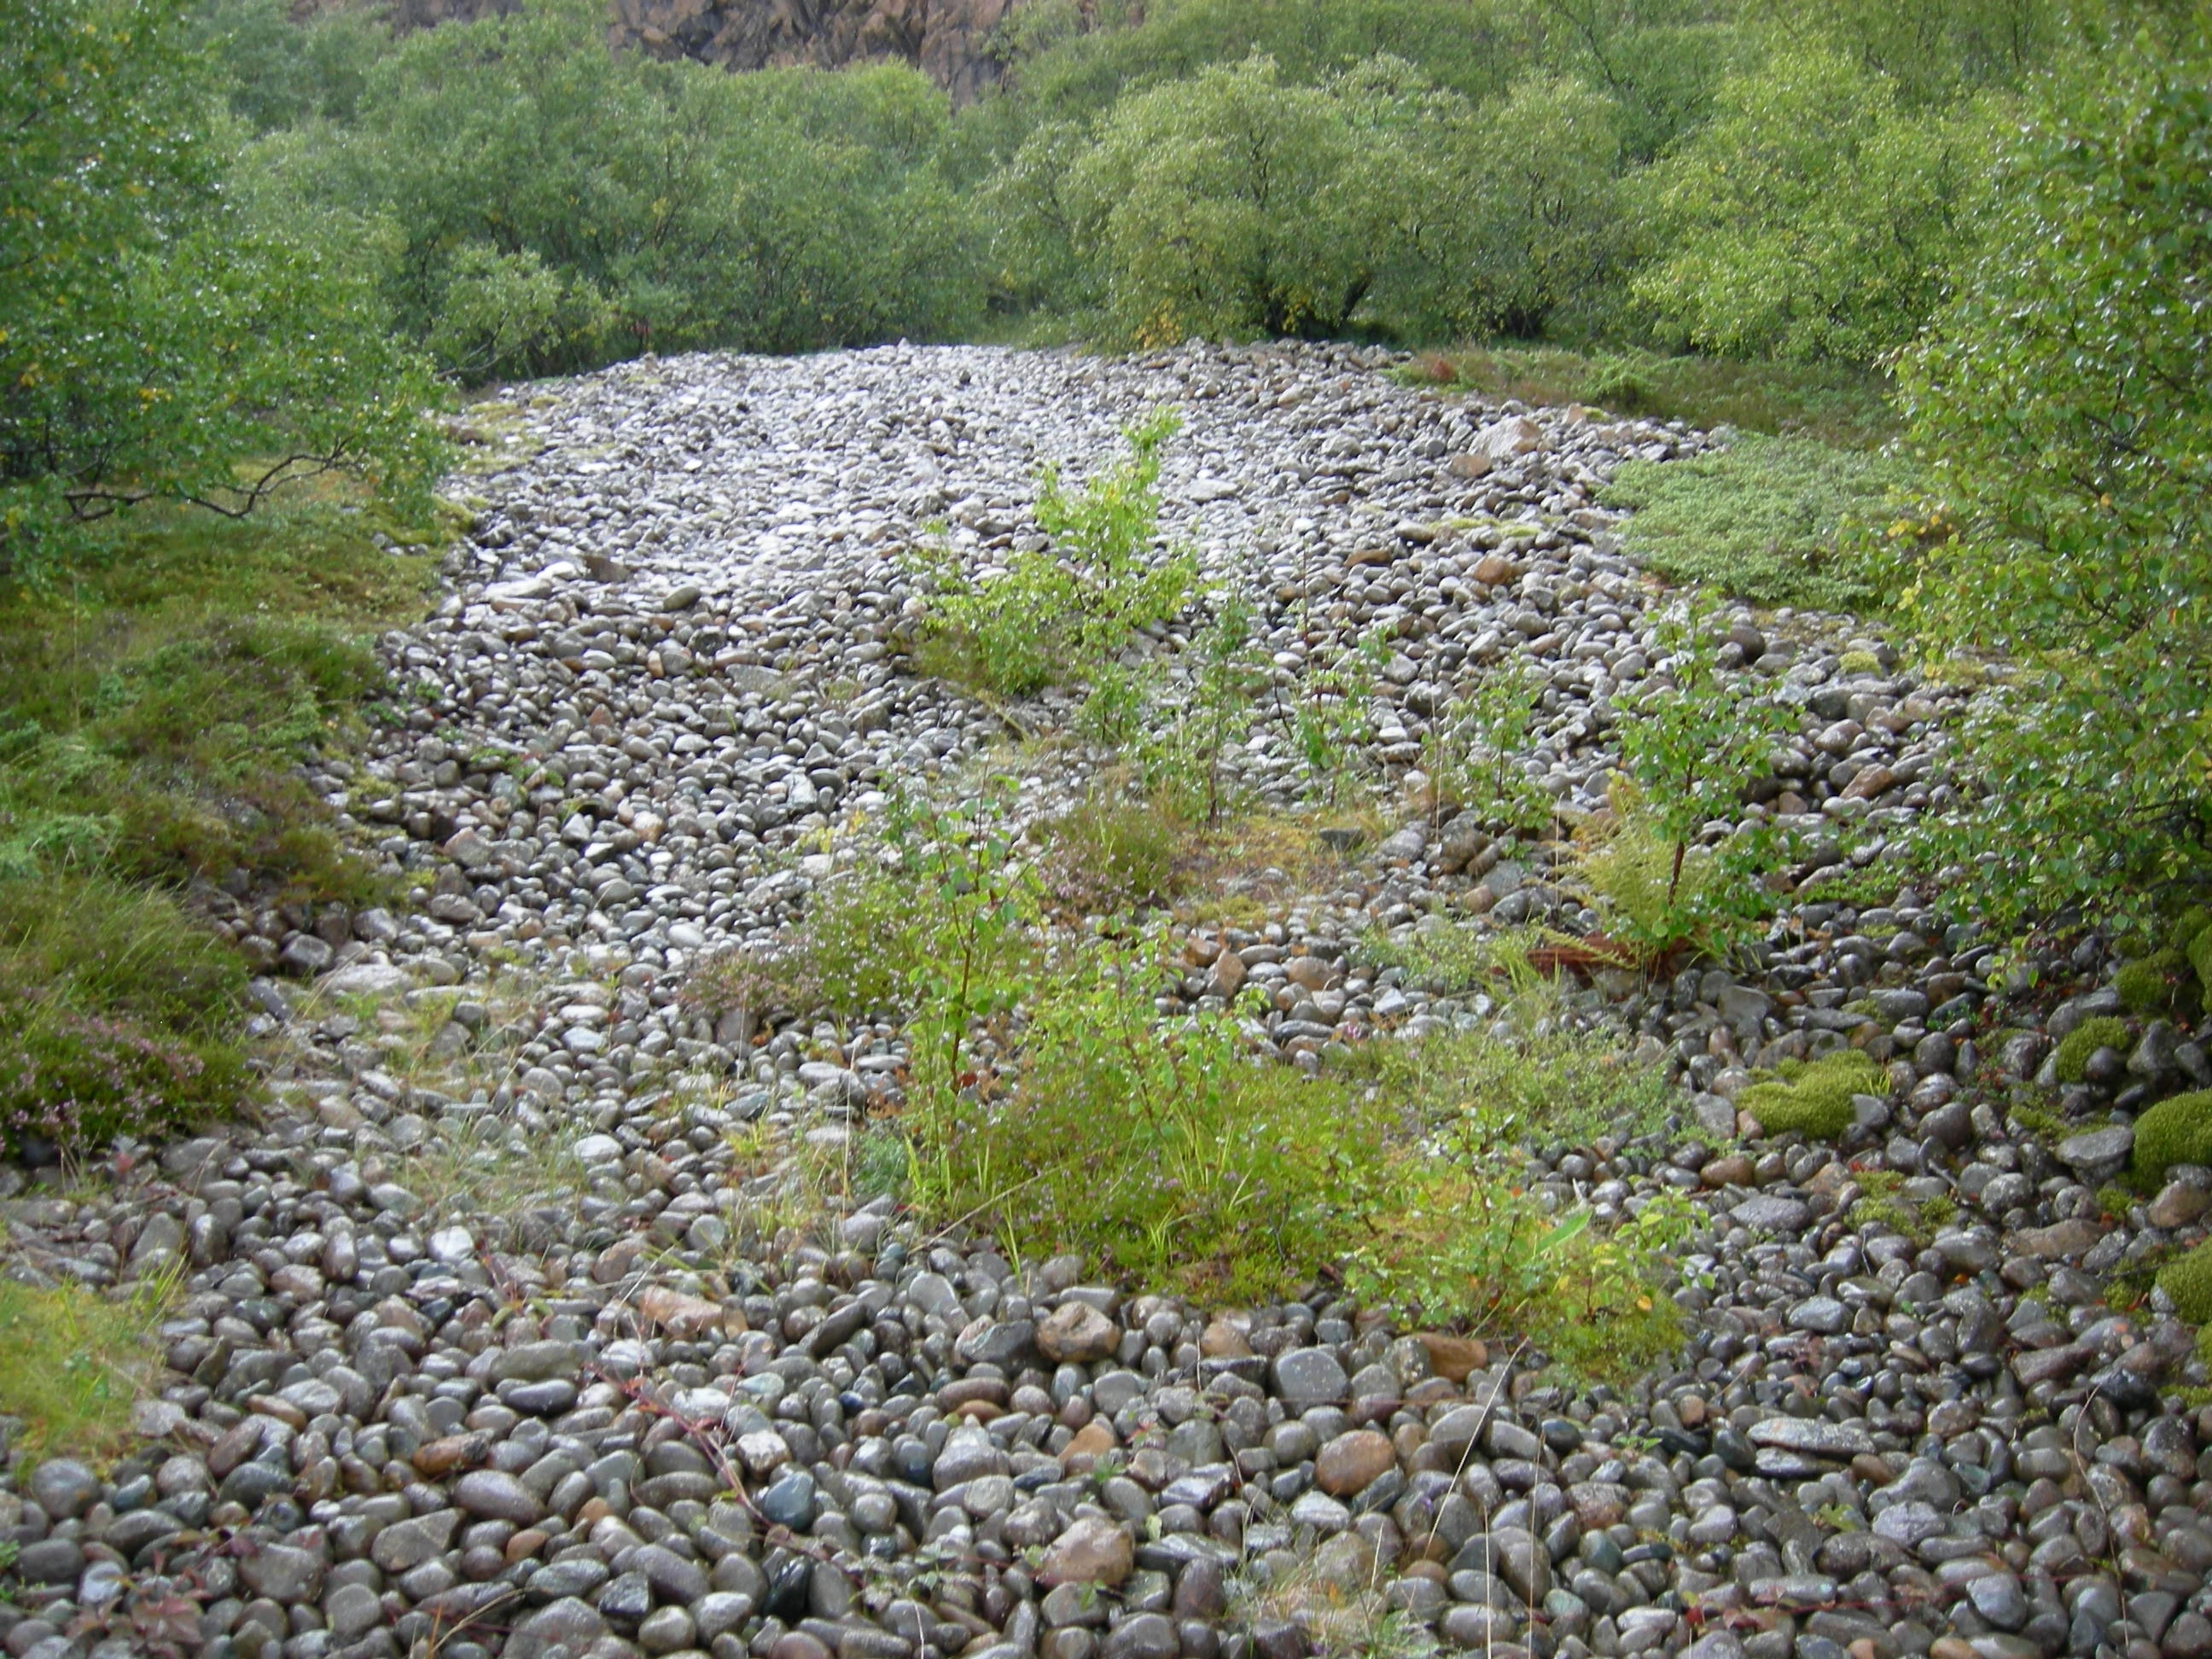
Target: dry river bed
{"x": 476, "y": 1349}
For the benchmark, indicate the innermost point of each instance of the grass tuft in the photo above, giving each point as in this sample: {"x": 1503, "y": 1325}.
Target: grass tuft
{"x": 72, "y": 1363}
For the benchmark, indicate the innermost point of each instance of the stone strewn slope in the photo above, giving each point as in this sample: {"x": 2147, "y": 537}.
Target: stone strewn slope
{"x": 480, "y": 1348}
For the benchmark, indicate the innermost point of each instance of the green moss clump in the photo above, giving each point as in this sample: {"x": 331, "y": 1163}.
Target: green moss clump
{"x": 2186, "y": 930}
{"x": 2176, "y": 1131}
{"x": 1814, "y": 1100}
{"x": 2199, "y": 952}
{"x": 2084, "y": 1040}
{"x": 2189, "y": 1282}
{"x": 2154, "y": 985}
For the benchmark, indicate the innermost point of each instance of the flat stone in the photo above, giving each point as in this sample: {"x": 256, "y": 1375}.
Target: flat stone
{"x": 1813, "y": 1435}
{"x": 2099, "y": 1152}
{"x": 409, "y": 1544}
{"x": 494, "y": 1495}
{"x": 1772, "y": 1214}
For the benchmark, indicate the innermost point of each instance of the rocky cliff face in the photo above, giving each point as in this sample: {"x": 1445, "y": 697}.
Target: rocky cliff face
{"x": 949, "y": 41}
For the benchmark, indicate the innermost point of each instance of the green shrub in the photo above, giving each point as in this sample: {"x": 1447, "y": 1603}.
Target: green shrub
{"x": 2178, "y": 1130}
{"x": 1814, "y": 1099}
{"x": 158, "y": 342}
{"x": 2065, "y": 400}
{"x": 1061, "y": 614}
{"x": 1764, "y": 520}
{"x": 2189, "y": 1282}
{"x": 2083, "y": 1041}
{"x": 1815, "y": 216}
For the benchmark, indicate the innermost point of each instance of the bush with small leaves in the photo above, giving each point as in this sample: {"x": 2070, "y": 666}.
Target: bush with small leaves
{"x": 1061, "y": 613}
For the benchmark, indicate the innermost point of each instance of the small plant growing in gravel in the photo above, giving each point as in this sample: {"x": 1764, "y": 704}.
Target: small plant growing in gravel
{"x": 1690, "y": 743}
{"x": 2072, "y": 1061}
{"x": 1331, "y": 722}
{"x": 1473, "y": 748}
{"x": 1058, "y": 615}
{"x": 1107, "y": 854}
{"x": 1814, "y": 1099}
{"x": 1173, "y": 733}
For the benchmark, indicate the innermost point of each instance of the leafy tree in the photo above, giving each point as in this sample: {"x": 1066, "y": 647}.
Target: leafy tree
{"x": 1814, "y": 217}
{"x": 2065, "y": 400}
{"x": 1546, "y": 204}
{"x": 1230, "y": 203}
{"x": 550, "y": 204}
{"x": 155, "y": 342}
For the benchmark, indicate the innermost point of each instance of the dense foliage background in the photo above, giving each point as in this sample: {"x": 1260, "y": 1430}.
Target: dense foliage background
{"x": 239, "y": 248}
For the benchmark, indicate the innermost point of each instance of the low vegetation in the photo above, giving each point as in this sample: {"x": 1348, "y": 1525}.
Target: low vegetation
{"x": 73, "y": 1363}
{"x": 1766, "y": 520}
{"x": 1047, "y": 1099}
{"x": 153, "y": 711}
{"x": 1814, "y": 1099}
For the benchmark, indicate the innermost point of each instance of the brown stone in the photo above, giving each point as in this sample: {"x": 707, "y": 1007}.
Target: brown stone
{"x": 1453, "y": 1357}
{"x": 685, "y": 1316}
{"x": 2072, "y": 1237}
{"x": 1075, "y": 1333}
{"x": 1091, "y": 1552}
{"x": 1092, "y": 1442}
{"x": 1873, "y": 782}
{"x": 1226, "y": 976}
{"x": 442, "y": 1456}
{"x": 1351, "y": 1461}
{"x": 1221, "y": 1339}
{"x": 1495, "y": 570}
{"x": 2178, "y": 1205}
{"x": 1469, "y": 466}
{"x": 1733, "y": 1171}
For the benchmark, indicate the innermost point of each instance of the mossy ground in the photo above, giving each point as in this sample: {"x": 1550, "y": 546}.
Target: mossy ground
{"x": 1814, "y": 1099}
{"x": 1839, "y": 405}
{"x": 2083, "y": 1041}
{"x": 2189, "y": 1282}
{"x": 1767, "y": 519}
{"x": 2178, "y": 1130}
{"x": 156, "y": 696}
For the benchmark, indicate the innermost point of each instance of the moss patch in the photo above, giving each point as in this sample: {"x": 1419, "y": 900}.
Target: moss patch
{"x": 2189, "y": 1282}
{"x": 2154, "y": 985}
{"x": 1813, "y": 1100}
{"x": 2176, "y": 1131}
{"x": 2084, "y": 1040}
